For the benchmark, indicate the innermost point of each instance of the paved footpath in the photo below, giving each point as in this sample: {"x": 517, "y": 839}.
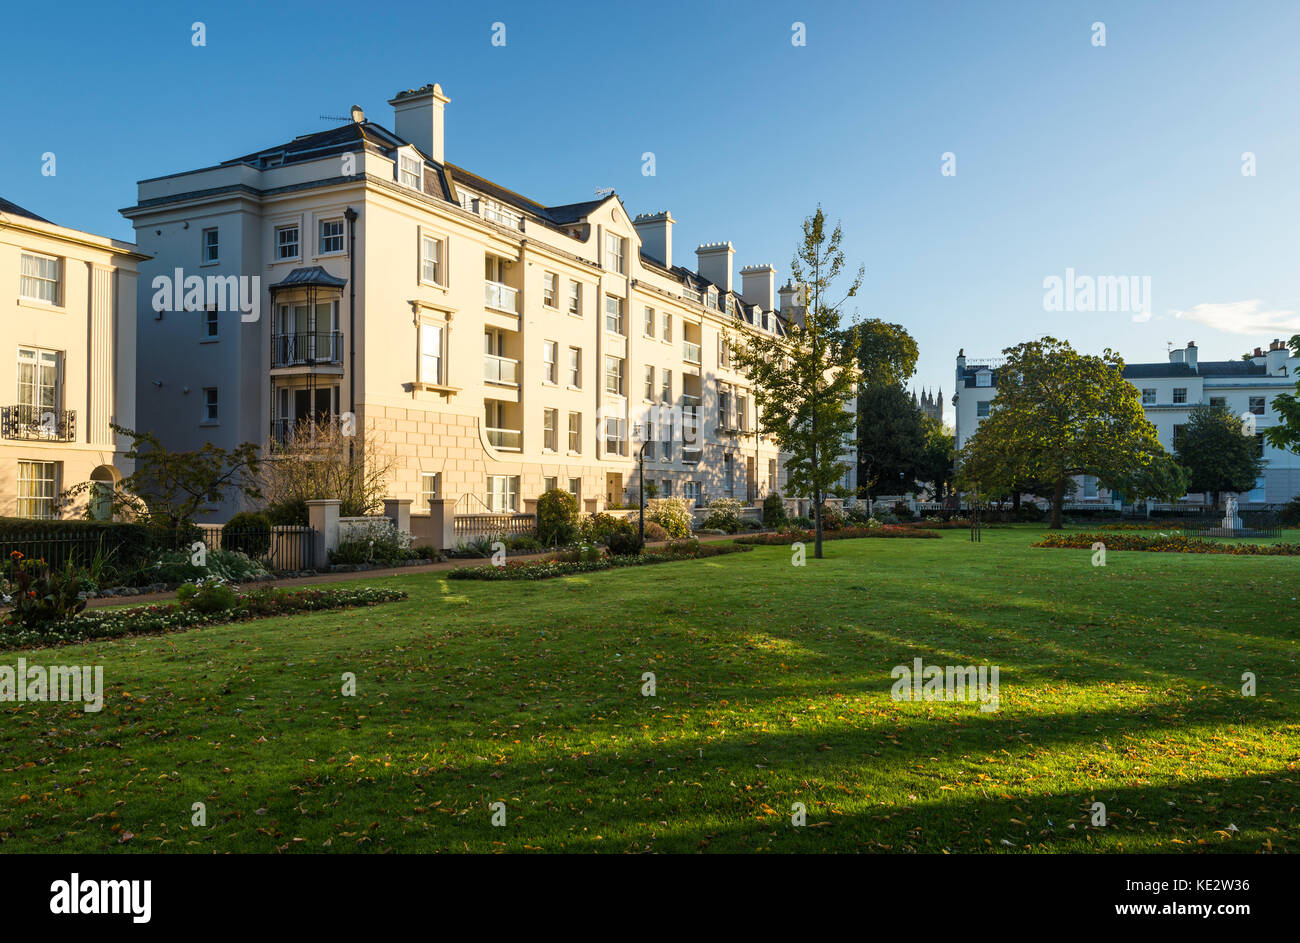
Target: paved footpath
{"x": 149, "y": 598}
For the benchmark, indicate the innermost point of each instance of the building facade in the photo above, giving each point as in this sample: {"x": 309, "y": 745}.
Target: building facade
{"x": 498, "y": 347}
{"x": 70, "y": 364}
{"x": 1169, "y": 393}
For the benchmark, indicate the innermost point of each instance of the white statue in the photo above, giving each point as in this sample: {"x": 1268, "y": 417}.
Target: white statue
{"x": 1231, "y": 521}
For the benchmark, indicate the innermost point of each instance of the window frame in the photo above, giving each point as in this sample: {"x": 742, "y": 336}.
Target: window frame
{"x": 280, "y": 244}
{"x": 204, "y": 246}
{"x": 48, "y": 500}
{"x": 321, "y": 238}
{"x": 575, "y": 432}
{"x": 56, "y": 281}
{"x": 211, "y": 406}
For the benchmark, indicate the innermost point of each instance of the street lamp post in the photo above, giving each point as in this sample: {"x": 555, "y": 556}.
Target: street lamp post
{"x": 640, "y": 461}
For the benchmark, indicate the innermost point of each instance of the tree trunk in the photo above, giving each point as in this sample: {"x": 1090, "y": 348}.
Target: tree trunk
{"x": 1058, "y": 503}
{"x": 1015, "y": 499}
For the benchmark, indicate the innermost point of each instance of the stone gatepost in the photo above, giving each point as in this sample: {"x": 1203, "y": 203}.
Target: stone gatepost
{"x": 442, "y": 523}
{"x": 323, "y": 516}
{"x": 398, "y": 510}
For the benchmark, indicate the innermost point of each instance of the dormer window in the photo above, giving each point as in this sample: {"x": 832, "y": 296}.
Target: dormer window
{"x": 984, "y": 378}
{"x": 713, "y": 297}
{"x": 410, "y": 171}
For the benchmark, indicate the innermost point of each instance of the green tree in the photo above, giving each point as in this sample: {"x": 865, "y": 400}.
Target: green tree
{"x": 804, "y": 382}
{"x": 1157, "y": 477}
{"x": 1217, "y": 452}
{"x": 886, "y": 353}
{"x": 1057, "y": 414}
{"x": 1286, "y": 433}
{"x": 891, "y": 441}
{"x": 936, "y": 466}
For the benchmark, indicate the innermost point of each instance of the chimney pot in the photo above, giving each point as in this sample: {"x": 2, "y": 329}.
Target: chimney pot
{"x": 417, "y": 118}
{"x": 656, "y": 232}
{"x": 758, "y": 285}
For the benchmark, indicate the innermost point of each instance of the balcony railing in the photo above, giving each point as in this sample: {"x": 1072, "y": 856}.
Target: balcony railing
{"x": 38, "y": 422}
{"x": 286, "y": 432}
{"x": 690, "y": 352}
{"x": 500, "y": 370}
{"x": 501, "y": 297}
{"x": 303, "y": 348}
{"x": 507, "y": 440}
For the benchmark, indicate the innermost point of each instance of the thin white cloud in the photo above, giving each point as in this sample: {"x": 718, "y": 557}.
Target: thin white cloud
{"x": 1242, "y": 317}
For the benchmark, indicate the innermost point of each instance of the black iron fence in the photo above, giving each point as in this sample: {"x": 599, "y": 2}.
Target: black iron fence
{"x": 280, "y": 549}
{"x": 120, "y": 555}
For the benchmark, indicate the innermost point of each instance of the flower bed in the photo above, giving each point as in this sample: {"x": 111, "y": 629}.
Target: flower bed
{"x": 1164, "y": 543}
{"x": 171, "y": 617}
{"x": 548, "y": 569}
{"x": 844, "y": 533}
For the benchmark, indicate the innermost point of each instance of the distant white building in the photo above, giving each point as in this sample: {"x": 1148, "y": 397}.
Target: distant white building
{"x": 1169, "y": 393}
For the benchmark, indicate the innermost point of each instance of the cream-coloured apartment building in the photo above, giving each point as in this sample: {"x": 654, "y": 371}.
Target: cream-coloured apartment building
{"x": 498, "y": 346}
{"x": 69, "y": 364}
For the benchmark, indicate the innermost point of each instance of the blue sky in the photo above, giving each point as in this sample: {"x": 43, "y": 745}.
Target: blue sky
{"x": 1117, "y": 160}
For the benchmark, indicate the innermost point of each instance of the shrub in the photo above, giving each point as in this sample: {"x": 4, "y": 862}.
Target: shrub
{"x": 288, "y": 513}
{"x": 673, "y": 515}
{"x": 774, "y": 511}
{"x": 624, "y": 545}
{"x": 247, "y": 532}
{"x": 858, "y": 514}
{"x": 597, "y": 528}
{"x": 375, "y": 541}
{"x": 801, "y": 523}
{"x": 1290, "y": 513}
{"x": 207, "y": 596}
{"x": 724, "y": 515}
{"x": 654, "y": 531}
{"x": 557, "y": 518}
{"x": 903, "y": 511}
{"x": 119, "y": 547}
{"x": 235, "y": 567}
{"x": 40, "y": 594}
{"x": 832, "y": 517}
{"x": 1030, "y": 513}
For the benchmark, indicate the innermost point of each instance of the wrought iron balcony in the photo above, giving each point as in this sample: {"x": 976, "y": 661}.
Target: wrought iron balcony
{"x": 38, "y": 422}
{"x": 305, "y": 348}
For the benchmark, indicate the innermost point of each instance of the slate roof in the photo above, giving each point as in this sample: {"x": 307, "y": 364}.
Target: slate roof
{"x": 13, "y": 209}
{"x": 441, "y": 184}
{"x": 310, "y": 277}
{"x": 1209, "y": 368}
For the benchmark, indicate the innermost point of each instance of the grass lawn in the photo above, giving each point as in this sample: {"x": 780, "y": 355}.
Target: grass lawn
{"x": 1119, "y": 685}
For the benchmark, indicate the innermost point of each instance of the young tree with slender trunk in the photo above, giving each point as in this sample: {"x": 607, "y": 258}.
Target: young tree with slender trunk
{"x": 805, "y": 379}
